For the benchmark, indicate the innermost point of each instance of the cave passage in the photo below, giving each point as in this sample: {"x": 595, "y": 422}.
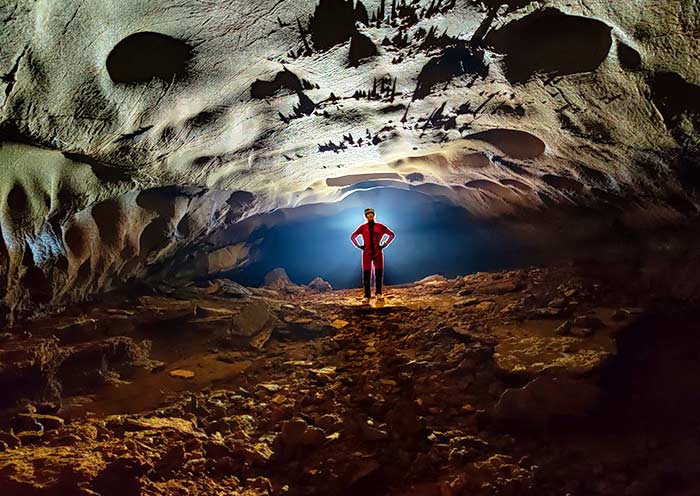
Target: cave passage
{"x": 432, "y": 237}
{"x": 181, "y": 305}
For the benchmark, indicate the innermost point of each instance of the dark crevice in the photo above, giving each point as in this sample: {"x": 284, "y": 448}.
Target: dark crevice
{"x": 687, "y": 165}
{"x": 70, "y": 21}
{"x": 485, "y": 25}
{"x": 593, "y": 176}
{"x": 11, "y": 77}
{"x": 455, "y": 61}
{"x": 361, "y": 14}
{"x": 107, "y": 215}
{"x": 513, "y": 142}
{"x": 284, "y": 80}
{"x": 4, "y": 262}
{"x": 206, "y": 118}
{"x": 563, "y": 184}
{"x": 18, "y": 203}
{"x": 306, "y": 106}
{"x": 361, "y": 47}
{"x": 75, "y": 242}
{"x": 83, "y": 273}
{"x": 37, "y": 284}
{"x": 134, "y": 134}
{"x": 160, "y": 200}
{"x": 143, "y": 56}
{"x": 677, "y": 100}
{"x": 10, "y": 133}
{"x": 629, "y": 58}
{"x": 552, "y": 43}
{"x": 647, "y": 386}
{"x": 240, "y": 200}
{"x": 154, "y": 236}
{"x": 333, "y": 23}
{"x": 103, "y": 171}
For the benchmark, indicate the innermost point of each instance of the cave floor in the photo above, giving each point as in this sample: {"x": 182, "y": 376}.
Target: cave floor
{"x": 559, "y": 380}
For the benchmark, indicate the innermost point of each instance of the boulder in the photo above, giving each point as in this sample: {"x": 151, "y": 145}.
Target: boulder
{"x": 89, "y": 365}
{"x": 543, "y": 398}
{"x": 435, "y": 279}
{"x": 28, "y": 370}
{"x": 297, "y": 438}
{"x": 227, "y": 288}
{"x": 319, "y": 285}
{"x": 252, "y": 319}
{"x": 560, "y": 356}
{"x": 278, "y": 280}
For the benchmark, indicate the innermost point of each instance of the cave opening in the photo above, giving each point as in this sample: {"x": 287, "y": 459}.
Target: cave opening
{"x": 433, "y": 236}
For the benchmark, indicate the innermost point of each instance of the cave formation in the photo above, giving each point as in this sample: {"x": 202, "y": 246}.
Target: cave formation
{"x": 180, "y": 302}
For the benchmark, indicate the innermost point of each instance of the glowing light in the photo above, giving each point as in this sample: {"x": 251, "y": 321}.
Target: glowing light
{"x": 431, "y": 237}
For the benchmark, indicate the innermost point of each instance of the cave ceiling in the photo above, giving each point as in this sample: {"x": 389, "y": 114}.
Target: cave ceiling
{"x": 132, "y": 131}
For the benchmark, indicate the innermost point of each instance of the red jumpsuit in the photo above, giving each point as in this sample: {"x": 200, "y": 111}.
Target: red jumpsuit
{"x": 372, "y": 254}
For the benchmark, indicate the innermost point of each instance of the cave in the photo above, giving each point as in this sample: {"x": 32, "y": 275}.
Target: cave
{"x": 343, "y": 247}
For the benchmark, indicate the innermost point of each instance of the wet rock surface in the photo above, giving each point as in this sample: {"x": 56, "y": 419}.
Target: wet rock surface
{"x": 455, "y": 386}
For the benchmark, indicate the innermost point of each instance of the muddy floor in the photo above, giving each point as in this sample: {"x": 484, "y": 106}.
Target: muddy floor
{"x": 542, "y": 381}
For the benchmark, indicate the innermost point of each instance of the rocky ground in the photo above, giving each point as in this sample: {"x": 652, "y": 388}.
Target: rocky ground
{"x": 542, "y": 381}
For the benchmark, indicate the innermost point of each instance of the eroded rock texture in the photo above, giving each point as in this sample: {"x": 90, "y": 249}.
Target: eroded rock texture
{"x": 131, "y": 131}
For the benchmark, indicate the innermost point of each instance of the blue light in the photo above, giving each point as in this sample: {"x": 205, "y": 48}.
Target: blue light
{"x": 431, "y": 237}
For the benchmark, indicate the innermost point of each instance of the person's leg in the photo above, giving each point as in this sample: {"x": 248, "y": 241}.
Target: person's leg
{"x": 366, "y": 277}
{"x": 378, "y": 273}
{"x": 366, "y": 273}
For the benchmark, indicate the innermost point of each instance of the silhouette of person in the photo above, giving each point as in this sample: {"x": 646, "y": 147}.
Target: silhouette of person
{"x": 372, "y": 253}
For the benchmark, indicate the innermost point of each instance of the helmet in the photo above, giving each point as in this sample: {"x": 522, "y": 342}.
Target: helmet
{"x": 369, "y": 210}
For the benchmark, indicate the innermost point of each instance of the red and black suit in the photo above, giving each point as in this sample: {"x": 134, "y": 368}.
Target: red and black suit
{"x": 372, "y": 254}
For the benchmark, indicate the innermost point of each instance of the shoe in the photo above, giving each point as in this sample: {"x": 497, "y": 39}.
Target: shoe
{"x": 380, "y": 297}
{"x": 365, "y": 301}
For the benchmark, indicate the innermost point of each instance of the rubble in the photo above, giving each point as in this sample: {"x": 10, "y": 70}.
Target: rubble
{"x": 434, "y": 393}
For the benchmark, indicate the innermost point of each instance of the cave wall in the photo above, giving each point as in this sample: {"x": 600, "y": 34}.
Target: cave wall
{"x": 131, "y": 132}
{"x": 66, "y": 234}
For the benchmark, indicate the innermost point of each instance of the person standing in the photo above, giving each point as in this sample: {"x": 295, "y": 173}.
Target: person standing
{"x": 372, "y": 248}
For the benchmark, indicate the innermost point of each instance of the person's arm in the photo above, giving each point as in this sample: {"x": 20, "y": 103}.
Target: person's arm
{"x": 391, "y": 237}
{"x": 353, "y": 238}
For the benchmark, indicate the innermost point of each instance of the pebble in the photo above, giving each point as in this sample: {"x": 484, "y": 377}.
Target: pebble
{"x": 181, "y": 374}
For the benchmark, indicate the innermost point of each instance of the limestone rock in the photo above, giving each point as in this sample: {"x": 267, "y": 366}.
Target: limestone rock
{"x": 89, "y": 365}
{"x": 543, "y": 398}
{"x": 228, "y": 288}
{"x": 435, "y": 279}
{"x": 560, "y": 356}
{"x": 277, "y": 279}
{"x": 252, "y": 319}
{"x": 319, "y": 285}
{"x": 44, "y": 422}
